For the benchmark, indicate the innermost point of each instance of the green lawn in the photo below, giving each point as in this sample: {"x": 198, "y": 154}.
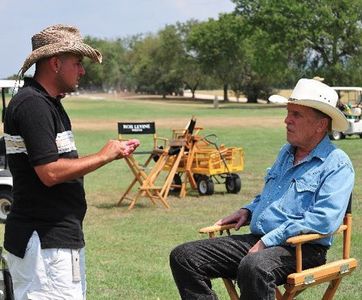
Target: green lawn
{"x": 127, "y": 251}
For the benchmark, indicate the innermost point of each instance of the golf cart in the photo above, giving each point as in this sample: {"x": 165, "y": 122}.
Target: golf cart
{"x": 350, "y": 103}
{"x": 6, "y": 180}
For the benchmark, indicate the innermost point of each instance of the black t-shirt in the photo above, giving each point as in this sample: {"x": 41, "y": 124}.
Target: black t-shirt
{"x": 38, "y": 131}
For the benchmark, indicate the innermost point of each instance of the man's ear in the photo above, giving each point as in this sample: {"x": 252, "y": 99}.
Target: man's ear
{"x": 54, "y": 63}
{"x": 323, "y": 125}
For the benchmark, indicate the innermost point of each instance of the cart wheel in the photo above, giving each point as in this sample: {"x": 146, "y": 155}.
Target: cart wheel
{"x": 233, "y": 183}
{"x": 336, "y": 135}
{"x": 6, "y": 198}
{"x": 197, "y": 177}
{"x": 205, "y": 185}
{"x": 176, "y": 181}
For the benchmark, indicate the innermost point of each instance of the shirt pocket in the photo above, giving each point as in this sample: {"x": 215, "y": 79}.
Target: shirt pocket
{"x": 270, "y": 176}
{"x": 269, "y": 185}
{"x": 300, "y": 195}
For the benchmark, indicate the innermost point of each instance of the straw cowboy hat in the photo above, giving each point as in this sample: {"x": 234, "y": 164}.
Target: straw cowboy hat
{"x": 58, "y": 39}
{"x": 314, "y": 93}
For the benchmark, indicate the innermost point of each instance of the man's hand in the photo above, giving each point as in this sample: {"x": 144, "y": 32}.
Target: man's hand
{"x": 118, "y": 149}
{"x": 129, "y": 147}
{"x": 257, "y": 247}
{"x": 239, "y": 217}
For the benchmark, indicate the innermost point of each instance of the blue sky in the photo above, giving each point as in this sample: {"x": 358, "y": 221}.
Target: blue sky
{"x": 99, "y": 18}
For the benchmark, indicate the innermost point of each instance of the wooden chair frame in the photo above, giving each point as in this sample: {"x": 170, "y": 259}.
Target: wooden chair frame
{"x": 171, "y": 154}
{"x": 331, "y": 272}
{"x": 190, "y": 137}
{"x": 145, "y": 180}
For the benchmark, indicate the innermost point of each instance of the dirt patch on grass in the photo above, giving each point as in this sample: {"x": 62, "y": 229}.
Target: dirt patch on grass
{"x": 244, "y": 122}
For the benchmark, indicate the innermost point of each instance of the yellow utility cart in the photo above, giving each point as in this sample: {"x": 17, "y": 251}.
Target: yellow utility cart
{"x": 204, "y": 164}
{"x": 218, "y": 165}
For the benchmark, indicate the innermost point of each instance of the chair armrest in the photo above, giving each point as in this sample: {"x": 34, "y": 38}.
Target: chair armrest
{"x": 216, "y": 228}
{"x": 162, "y": 138}
{"x": 300, "y": 239}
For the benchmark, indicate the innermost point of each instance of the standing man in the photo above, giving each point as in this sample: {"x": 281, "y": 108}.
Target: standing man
{"x": 43, "y": 232}
{"x": 306, "y": 191}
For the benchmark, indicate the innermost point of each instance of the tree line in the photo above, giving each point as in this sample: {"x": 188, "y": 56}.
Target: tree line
{"x": 260, "y": 46}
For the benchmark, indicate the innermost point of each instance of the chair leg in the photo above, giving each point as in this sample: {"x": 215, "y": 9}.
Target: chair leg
{"x": 133, "y": 202}
{"x": 162, "y": 199}
{"x": 289, "y": 295}
{"x": 278, "y": 294}
{"x": 331, "y": 289}
{"x": 127, "y": 191}
{"x": 166, "y": 187}
{"x": 230, "y": 287}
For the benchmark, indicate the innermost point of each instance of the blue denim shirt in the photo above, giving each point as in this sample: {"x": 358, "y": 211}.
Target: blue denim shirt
{"x": 310, "y": 197}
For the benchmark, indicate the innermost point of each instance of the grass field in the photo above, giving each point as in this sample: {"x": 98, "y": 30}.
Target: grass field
{"x": 127, "y": 251}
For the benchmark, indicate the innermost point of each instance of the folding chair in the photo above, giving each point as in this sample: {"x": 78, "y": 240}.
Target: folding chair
{"x": 139, "y": 170}
{"x": 331, "y": 272}
{"x": 170, "y": 153}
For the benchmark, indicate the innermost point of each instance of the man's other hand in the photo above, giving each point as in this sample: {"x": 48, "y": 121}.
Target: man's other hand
{"x": 257, "y": 247}
{"x": 118, "y": 149}
{"x": 239, "y": 217}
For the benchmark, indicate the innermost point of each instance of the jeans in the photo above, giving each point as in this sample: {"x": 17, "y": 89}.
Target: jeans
{"x": 193, "y": 264}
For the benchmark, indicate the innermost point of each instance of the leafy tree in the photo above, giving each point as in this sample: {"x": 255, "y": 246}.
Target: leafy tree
{"x": 239, "y": 55}
{"x": 167, "y": 58}
{"x": 319, "y": 37}
{"x": 218, "y": 47}
{"x": 354, "y": 71}
{"x": 93, "y": 77}
{"x": 155, "y": 62}
{"x": 142, "y": 68}
{"x": 109, "y": 74}
{"x": 264, "y": 66}
{"x": 188, "y": 66}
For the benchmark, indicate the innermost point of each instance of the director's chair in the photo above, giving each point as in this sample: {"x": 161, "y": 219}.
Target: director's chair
{"x": 139, "y": 170}
{"x": 146, "y": 174}
{"x": 331, "y": 272}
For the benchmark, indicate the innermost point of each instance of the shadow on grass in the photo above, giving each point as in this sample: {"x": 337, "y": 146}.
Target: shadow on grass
{"x": 123, "y": 205}
{"x": 145, "y": 203}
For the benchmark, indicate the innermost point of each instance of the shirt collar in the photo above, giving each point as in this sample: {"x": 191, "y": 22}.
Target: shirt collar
{"x": 321, "y": 151}
{"x": 29, "y": 81}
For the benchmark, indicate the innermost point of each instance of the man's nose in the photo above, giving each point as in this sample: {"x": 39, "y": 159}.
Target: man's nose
{"x": 81, "y": 70}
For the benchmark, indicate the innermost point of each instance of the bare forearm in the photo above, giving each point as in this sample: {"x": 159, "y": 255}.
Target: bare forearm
{"x": 68, "y": 169}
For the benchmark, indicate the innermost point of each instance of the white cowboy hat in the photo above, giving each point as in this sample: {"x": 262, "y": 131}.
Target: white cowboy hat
{"x": 278, "y": 99}
{"x": 58, "y": 39}
{"x": 315, "y": 94}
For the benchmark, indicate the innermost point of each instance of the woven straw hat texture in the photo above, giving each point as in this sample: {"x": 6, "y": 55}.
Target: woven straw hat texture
{"x": 58, "y": 39}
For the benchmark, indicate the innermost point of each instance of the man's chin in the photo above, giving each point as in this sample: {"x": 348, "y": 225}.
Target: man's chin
{"x": 71, "y": 89}
{"x": 289, "y": 138}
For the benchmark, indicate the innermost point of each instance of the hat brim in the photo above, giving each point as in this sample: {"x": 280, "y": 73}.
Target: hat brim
{"x": 339, "y": 121}
{"x": 76, "y": 47}
{"x": 277, "y": 99}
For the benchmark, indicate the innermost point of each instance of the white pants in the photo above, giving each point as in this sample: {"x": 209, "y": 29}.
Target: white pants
{"x": 48, "y": 274}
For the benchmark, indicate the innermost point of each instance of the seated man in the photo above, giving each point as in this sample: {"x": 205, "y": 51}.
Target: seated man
{"x": 306, "y": 190}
